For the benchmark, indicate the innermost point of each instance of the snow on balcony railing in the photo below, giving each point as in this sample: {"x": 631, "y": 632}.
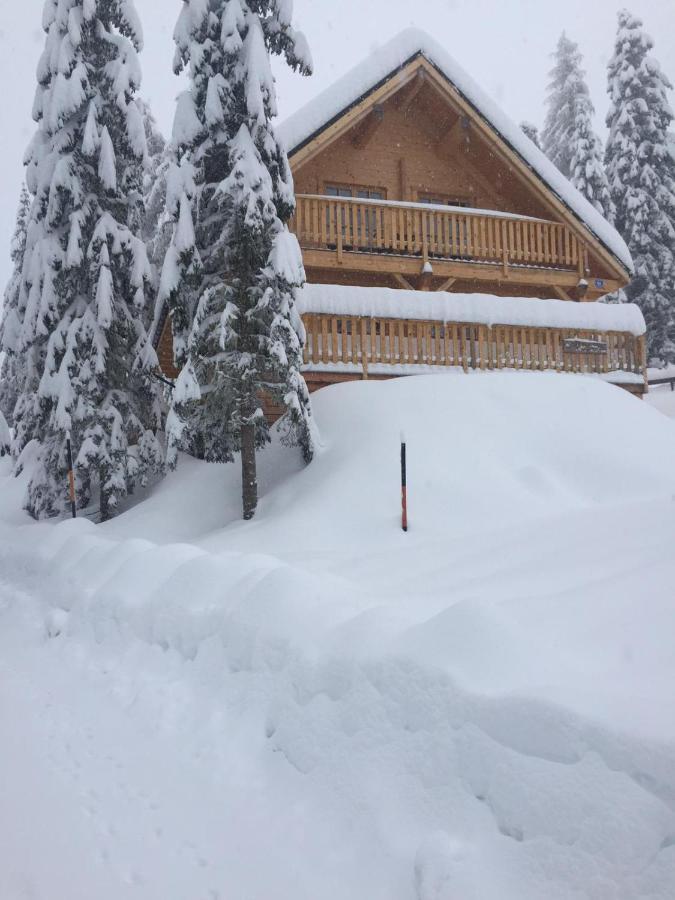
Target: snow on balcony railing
{"x": 371, "y": 329}
{"x": 483, "y": 309}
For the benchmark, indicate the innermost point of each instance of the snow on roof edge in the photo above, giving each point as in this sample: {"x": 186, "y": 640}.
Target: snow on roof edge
{"x": 361, "y": 80}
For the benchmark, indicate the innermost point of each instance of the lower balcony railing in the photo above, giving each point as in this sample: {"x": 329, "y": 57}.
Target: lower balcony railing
{"x": 378, "y": 344}
{"x": 344, "y": 225}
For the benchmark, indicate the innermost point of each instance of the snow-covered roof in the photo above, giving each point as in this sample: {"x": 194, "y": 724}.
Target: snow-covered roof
{"x": 386, "y": 60}
{"x": 484, "y": 309}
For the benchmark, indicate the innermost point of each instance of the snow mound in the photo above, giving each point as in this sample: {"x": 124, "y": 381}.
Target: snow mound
{"x": 483, "y": 450}
{"x": 480, "y": 708}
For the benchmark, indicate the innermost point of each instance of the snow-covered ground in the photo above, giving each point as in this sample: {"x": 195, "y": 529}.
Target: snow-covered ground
{"x": 315, "y": 705}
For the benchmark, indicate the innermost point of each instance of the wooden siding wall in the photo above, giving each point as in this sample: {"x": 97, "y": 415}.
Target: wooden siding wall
{"x": 422, "y": 149}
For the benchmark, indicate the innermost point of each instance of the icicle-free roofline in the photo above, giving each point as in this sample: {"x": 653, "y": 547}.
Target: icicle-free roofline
{"x": 328, "y": 106}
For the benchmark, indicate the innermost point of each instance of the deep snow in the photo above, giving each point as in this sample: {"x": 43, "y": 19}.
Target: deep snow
{"x": 315, "y": 705}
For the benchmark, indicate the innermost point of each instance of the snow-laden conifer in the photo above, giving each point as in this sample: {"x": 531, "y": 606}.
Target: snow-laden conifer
{"x": 5, "y": 437}
{"x": 86, "y": 275}
{"x": 568, "y": 138}
{"x": 157, "y": 224}
{"x": 233, "y": 269}
{"x": 642, "y": 178}
{"x": 12, "y": 311}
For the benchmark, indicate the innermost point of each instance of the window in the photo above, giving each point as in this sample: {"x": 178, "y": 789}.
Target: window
{"x": 334, "y": 191}
{"x": 439, "y": 200}
{"x": 362, "y": 229}
{"x": 360, "y": 193}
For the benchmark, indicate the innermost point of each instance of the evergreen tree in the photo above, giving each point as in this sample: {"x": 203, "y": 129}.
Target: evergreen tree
{"x": 532, "y": 132}
{"x": 10, "y": 323}
{"x": 568, "y": 138}
{"x": 233, "y": 268}
{"x": 86, "y": 276}
{"x": 157, "y": 226}
{"x": 5, "y": 438}
{"x": 642, "y": 179}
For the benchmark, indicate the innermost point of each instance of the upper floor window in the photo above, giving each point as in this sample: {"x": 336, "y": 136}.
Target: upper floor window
{"x": 360, "y": 193}
{"x": 442, "y": 200}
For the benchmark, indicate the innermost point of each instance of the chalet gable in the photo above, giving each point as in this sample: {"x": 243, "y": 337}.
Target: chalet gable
{"x": 405, "y": 75}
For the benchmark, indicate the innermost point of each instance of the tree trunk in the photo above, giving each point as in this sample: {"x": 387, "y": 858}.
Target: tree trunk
{"x": 104, "y": 510}
{"x": 249, "y": 477}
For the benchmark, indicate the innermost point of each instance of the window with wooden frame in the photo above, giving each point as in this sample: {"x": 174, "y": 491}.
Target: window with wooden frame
{"x": 357, "y": 191}
{"x": 359, "y": 226}
{"x": 442, "y": 200}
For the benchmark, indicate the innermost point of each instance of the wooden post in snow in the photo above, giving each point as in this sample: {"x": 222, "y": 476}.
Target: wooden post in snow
{"x": 71, "y": 477}
{"x": 404, "y": 485}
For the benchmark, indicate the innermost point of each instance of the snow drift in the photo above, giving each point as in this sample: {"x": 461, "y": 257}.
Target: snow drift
{"x": 482, "y": 708}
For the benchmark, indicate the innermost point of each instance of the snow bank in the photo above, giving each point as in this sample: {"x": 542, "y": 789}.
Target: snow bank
{"x": 385, "y": 60}
{"x": 480, "y": 708}
{"x": 485, "y": 309}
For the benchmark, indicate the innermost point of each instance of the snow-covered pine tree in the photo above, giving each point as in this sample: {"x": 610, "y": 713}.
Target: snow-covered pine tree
{"x": 565, "y": 86}
{"x": 5, "y": 437}
{"x": 642, "y": 178}
{"x": 531, "y": 130}
{"x": 568, "y": 138}
{"x": 157, "y": 226}
{"x": 233, "y": 268}
{"x": 86, "y": 273}
{"x": 12, "y": 311}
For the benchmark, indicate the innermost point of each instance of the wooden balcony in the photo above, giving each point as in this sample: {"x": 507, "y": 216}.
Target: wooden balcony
{"x": 348, "y": 346}
{"x": 408, "y": 238}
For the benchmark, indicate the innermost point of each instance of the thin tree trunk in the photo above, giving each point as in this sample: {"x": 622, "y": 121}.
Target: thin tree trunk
{"x": 104, "y": 510}
{"x": 249, "y": 475}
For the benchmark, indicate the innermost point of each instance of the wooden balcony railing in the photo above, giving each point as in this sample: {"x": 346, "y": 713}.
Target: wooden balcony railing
{"x": 348, "y": 341}
{"x": 346, "y": 225}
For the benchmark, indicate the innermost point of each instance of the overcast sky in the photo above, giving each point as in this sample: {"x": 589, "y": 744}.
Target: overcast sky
{"x": 504, "y": 44}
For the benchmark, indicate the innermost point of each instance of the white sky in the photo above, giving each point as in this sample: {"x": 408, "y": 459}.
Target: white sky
{"x": 504, "y": 44}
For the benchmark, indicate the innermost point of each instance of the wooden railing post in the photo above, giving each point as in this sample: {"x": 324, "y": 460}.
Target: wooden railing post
{"x": 338, "y": 223}
{"x": 505, "y": 250}
{"x": 364, "y": 346}
{"x": 338, "y": 227}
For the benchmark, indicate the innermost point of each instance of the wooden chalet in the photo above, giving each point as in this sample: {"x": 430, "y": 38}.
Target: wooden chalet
{"x": 409, "y": 178}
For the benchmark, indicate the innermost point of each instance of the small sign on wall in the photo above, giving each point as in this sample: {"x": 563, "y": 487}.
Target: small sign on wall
{"x": 586, "y": 347}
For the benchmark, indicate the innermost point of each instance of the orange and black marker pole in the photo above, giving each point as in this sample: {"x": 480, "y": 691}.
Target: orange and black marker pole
{"x": 404, "y": 486}
{"x": 71, "y": 477}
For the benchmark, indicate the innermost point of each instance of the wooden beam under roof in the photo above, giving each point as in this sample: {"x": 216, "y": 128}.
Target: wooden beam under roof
{"x": 408, "y": 266}
{"x": 407, "y": 95}
{"x": 403, "y": 282}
